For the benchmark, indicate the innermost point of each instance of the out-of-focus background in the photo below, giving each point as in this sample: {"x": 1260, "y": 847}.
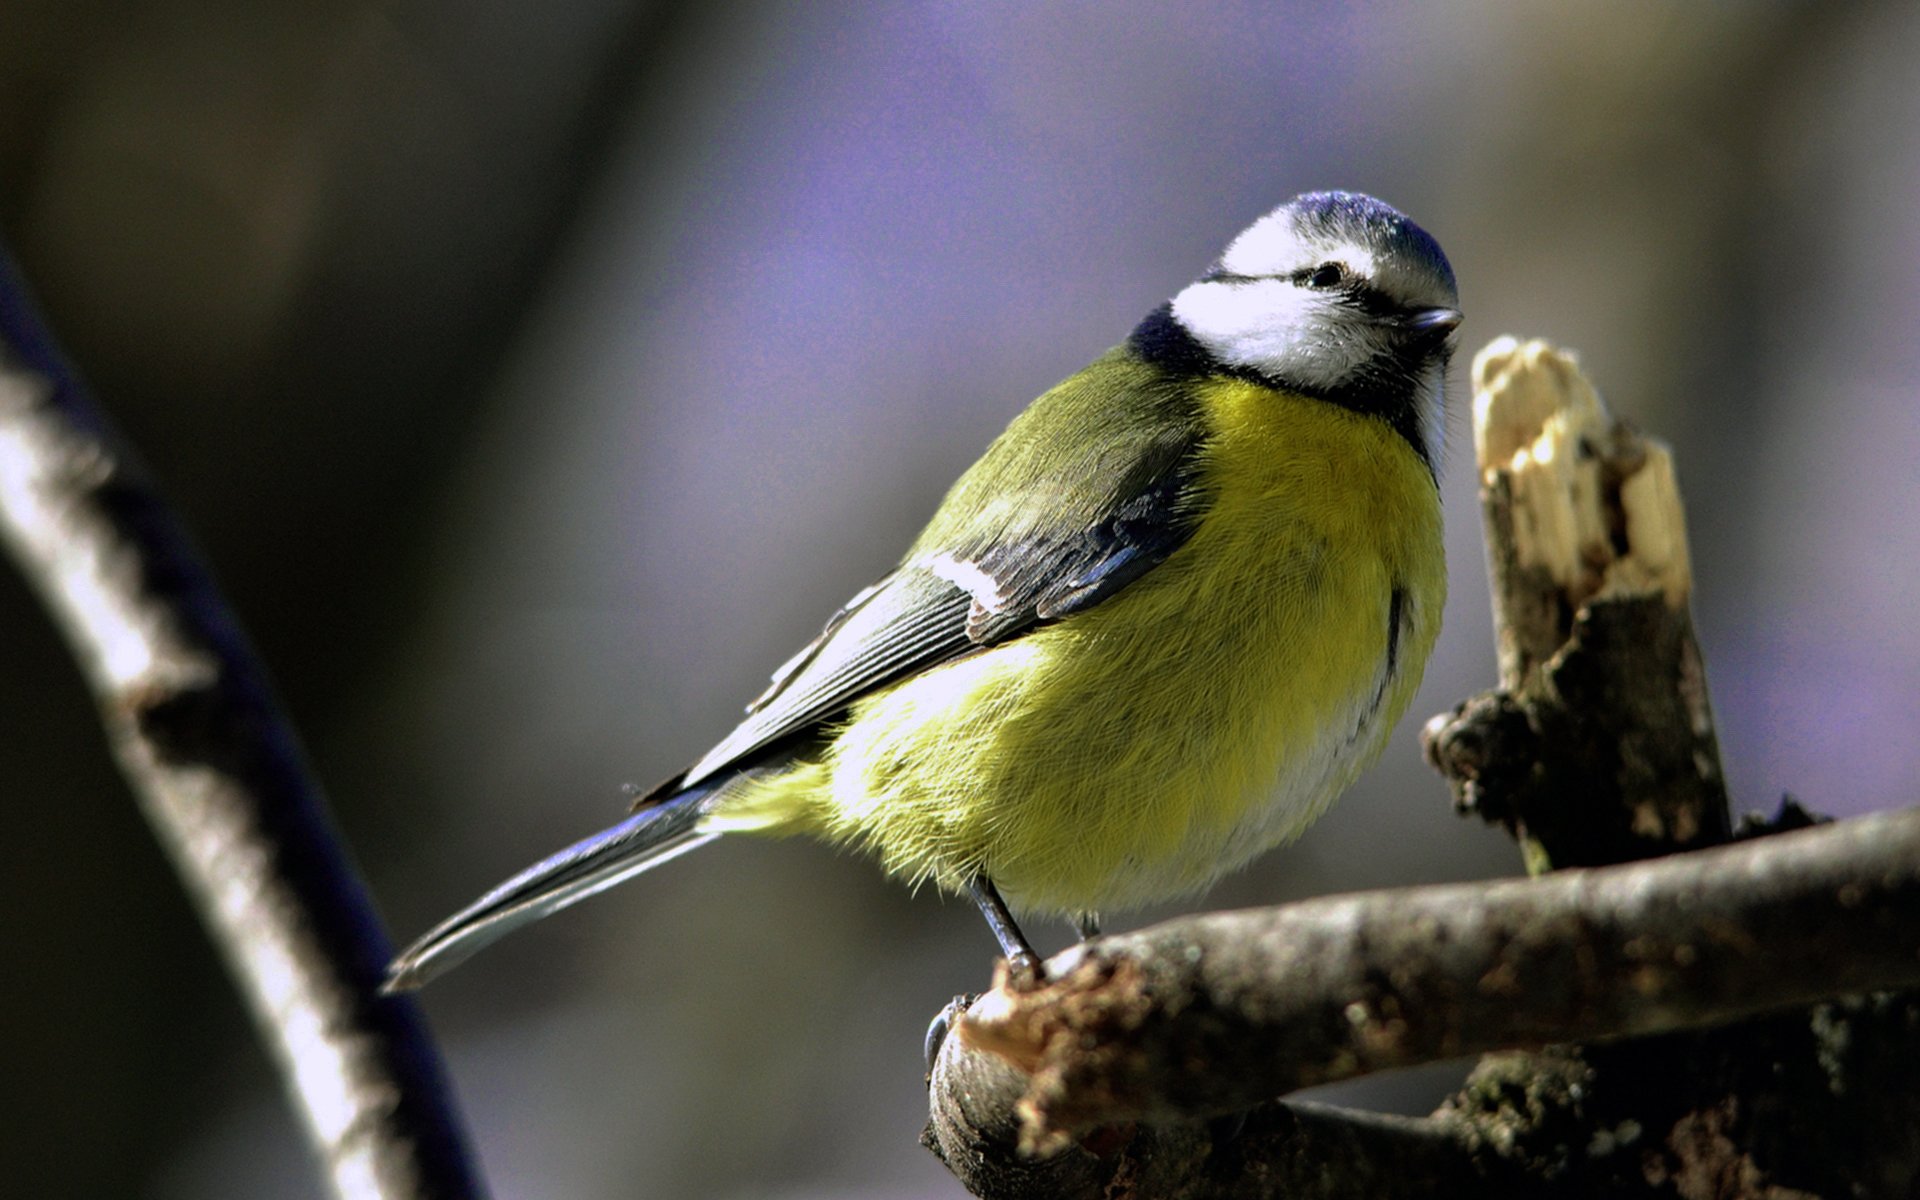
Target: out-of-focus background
{"x": 538, "y": 376}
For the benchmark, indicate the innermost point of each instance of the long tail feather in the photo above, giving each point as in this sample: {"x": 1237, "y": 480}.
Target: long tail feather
{"x": 646, "y": 839}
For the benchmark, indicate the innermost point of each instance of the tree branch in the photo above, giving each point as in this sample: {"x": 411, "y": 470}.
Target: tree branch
{"x": 1215, "y": 1013}
{"x": 220, "y": 777}
{"x": 1598, "y": 746}
{"x": 1302, "y": 1151}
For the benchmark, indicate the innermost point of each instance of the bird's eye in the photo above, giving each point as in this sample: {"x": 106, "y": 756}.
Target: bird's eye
{"x": 1327, "y": 275}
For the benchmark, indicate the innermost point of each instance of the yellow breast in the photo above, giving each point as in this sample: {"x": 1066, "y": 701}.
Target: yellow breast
{"x": 1211, "y": 710}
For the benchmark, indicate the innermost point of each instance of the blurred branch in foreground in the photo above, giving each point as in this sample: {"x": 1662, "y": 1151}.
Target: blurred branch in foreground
{"x": 220, "y": 777}
{"x": 1126, "y": 1069}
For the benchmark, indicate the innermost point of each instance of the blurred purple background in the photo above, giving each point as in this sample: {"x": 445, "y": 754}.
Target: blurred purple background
{"x": 537, "y": 378}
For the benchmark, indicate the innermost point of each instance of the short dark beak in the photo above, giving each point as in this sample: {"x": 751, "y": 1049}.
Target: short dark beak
{"x": 1433, "y": 322}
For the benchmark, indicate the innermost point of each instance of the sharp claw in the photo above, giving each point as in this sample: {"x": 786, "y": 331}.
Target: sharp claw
{"x": 940, "y": 1027}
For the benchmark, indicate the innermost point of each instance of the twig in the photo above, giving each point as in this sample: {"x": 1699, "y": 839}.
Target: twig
{"x": 1599, "y": 745}
{"x": 220, "y": 778}
{"x": 1215, "y": 1013}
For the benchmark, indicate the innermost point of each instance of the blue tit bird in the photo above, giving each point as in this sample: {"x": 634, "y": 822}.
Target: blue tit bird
{"x": 1155, "y": 630}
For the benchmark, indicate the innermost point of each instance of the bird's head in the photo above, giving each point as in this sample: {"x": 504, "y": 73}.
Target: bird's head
{"x": 1333, "y": 294}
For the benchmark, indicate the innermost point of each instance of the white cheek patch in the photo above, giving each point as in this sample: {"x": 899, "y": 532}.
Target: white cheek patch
{"x": 1279, "y": 329}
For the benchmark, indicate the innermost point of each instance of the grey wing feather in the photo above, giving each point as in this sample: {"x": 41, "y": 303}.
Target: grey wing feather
{"x": 948, "y": 604}
{"x": 1060, "y": 572}
{"x": 907, "y": 622}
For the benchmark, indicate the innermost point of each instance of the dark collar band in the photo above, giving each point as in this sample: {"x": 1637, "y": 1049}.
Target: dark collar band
{"x": 1388, "y": 391}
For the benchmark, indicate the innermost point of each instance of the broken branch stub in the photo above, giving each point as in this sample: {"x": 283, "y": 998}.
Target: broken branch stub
{"x": 1598, "y": 746}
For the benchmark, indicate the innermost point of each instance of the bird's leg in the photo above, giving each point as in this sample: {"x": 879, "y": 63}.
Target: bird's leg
{"x": 1087, "y": 925}
{"x": 1013, "y": 943}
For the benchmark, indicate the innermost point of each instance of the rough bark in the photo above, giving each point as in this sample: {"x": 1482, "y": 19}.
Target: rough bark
{"x": 1210, "y": 1015}
{"x": 1598, "y": 747}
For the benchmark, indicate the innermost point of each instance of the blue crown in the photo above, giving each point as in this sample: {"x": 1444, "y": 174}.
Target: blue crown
{"x": 1361, "y": 217}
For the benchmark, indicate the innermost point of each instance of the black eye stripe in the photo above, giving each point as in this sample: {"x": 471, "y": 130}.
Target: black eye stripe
{"x": 1371, "y": 301}
{"x": 1353, "y": 293}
